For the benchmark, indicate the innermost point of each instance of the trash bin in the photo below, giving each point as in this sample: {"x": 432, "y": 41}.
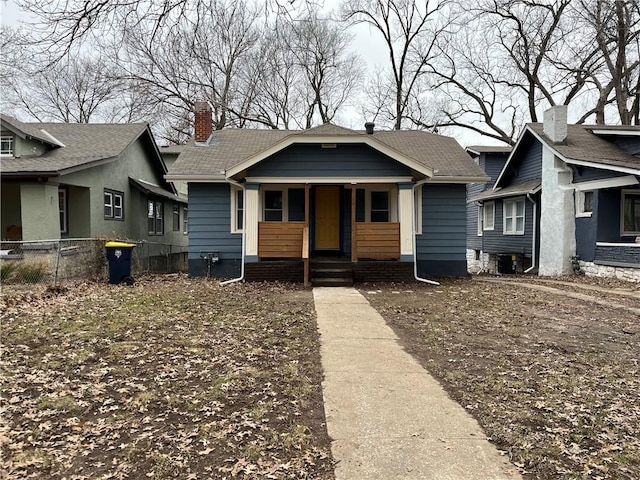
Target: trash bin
{"x": 119, "y": 258}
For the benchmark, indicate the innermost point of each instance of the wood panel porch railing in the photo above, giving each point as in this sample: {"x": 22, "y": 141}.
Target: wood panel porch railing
{"x": 377, "y": 241}
{"x": 280, "y": 239}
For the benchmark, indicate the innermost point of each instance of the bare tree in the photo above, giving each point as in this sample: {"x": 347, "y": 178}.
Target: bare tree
{"x": 615, "y": 27}
{"x": 330, "y": 74}
{"x": 411, "y": 31}
{"x": 65, "y": 24}
{"x": 77, "y": 90}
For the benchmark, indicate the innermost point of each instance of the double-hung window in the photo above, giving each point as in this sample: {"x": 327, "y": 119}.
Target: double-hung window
{"x": 380, "y": 206}
{"x": 273, "y": 206}
{"x": 631, "y": 212}
{"x": 6, "y": 145}
{"x": 176, "y": 217}
{"x": 488, "y": 215}
{"x": 113, "y": 205}
{"x": 514, "y": 217}
{"x": 155, "y": 216}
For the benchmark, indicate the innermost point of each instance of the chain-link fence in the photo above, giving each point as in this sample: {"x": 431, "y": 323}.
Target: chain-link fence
{"x": 53, "y": 262}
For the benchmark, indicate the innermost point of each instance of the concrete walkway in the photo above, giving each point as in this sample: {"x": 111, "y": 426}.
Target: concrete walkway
{"x": 387, "y": 417}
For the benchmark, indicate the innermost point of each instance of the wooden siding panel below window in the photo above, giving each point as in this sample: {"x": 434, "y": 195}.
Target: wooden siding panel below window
{"x": 280, "y": 239}
{"x": 378, "y": 241}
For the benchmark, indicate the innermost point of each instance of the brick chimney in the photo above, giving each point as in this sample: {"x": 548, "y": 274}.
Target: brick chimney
{"x": 203, "y": 121}
{"x": 555, "y": 123}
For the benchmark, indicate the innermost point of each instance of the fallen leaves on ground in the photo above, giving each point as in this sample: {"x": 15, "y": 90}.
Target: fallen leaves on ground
{"x": 553, "y": 380}
{"x": 170, "y": 378}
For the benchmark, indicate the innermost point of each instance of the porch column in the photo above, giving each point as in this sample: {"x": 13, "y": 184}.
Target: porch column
{"x": 354, "y": 236}
{"x": 40, "y": 212}
{"x": 405, "y": 216}
{"x": 251, "y": 216}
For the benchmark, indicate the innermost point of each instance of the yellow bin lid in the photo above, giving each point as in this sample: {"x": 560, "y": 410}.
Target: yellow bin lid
{"x": 119, "y": 244}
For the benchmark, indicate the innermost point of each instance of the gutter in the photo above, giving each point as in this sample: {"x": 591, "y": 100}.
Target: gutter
{"x": 414, "y": 228}
{"x": 533, "y": 246}
{"x": 244, "y": 232}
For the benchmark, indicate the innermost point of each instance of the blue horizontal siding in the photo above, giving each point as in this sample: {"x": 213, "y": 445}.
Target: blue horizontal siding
{"x": 587, "y": 174}
{"x": 315, "y": 161}
{"x": 494, "y": 241}
{"x": 631, "y": 145}
{"x": 444, "y": 224}
{"x": 209, "y": 222}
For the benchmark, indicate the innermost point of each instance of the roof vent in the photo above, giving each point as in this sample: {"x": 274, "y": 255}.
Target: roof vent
{"x": 369, "y": 126}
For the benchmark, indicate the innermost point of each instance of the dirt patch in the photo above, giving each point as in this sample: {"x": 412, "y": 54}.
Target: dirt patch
{"x": 170, "y": 378}
{"x": 550, "y": 373}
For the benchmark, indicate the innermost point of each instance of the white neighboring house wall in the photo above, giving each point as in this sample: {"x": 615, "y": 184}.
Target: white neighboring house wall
{"x": 557, "y": 226}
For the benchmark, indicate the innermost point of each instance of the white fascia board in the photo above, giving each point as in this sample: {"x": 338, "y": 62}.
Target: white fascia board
{"x": 632, "y": 132}
{"x": 195, "y": 178}
{"x": 328, "y": 180}
{"x": 337, "y": 139}
{"x": 53, "y": 139}
{"x": 600, "y": 166}
{"x": 608, "y": 183}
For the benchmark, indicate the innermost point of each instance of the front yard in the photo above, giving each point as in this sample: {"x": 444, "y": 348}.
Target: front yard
{"x": 171, "y": 378}
{"x": 182, "y": 378}
{"x": 550, "y": 370}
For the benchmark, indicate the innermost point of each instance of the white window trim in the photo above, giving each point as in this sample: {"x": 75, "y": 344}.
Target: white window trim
{"x": 485, "y": 224}
{"x": 393, "y": 200}
{"x": 579, "y": 198}
{"x": 155, "y": 217}
{"x": 10, "y": 138}
{"x": 234, "y": 214}
{"x": 514, "y": 201}
{"x": 480, "y": 226}
{"x": 622, "y": 197}
{"x": 64, "y": 225}
{"x": 113, "y": 195}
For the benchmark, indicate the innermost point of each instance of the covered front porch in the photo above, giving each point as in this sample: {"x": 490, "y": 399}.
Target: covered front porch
{"x": 346, "y": 224}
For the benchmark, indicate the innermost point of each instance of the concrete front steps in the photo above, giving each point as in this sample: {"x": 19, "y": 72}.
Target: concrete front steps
{"x": 331, "y": 273}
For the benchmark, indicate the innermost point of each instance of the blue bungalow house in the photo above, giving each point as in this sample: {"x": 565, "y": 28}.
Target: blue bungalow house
{"x": 566, "y": 193}
{"x": 276, "y": 204}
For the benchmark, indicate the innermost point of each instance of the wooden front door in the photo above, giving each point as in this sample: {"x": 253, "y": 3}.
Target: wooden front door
{"x": 327, "y": 218}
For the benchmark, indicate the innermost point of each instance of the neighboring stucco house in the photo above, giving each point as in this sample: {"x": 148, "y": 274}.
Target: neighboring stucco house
{"x": 62, "y": 180}
{"x": 381, "y": 202}
{"x": 566, "y": 191}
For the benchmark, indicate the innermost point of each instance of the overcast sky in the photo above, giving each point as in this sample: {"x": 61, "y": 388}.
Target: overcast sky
{"x": 366, "y": 43}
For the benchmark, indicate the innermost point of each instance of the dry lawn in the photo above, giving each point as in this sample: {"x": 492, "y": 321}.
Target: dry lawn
{"x": 170, "y": 378}
{"x": 550, "y": 369}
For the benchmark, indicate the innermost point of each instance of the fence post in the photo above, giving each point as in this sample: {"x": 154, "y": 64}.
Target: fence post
{"x": 55, "y": 273}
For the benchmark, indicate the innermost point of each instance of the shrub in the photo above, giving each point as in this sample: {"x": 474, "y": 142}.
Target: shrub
{"x": 6, "y": 269}
{"x": 31, "y": 272}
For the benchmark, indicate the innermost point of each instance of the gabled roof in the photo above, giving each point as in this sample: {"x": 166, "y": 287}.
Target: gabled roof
{"x": 28, "y": 130}
{"x": 233, "y": 150}
{"x": 81, "y": 146}
{"x": 478, "y": 149}
{"x": 529, "y": 187}
{"x": 582, "y": 147}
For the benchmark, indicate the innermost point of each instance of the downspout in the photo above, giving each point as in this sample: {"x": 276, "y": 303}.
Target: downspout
{"x": 533, "y": 246}
{"x": 415, "y": 232}
{"x": 244, "y": 232}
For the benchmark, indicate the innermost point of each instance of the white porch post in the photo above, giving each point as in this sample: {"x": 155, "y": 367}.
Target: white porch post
{"x": 405, "y": 216}
{"x": 251, "y": 212}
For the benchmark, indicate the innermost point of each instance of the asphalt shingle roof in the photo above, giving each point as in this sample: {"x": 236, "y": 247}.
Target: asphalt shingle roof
{"x": 582, "y": 144}
{"x": 530, "y": 187}
{"x": 83, "y": 145}
{"x": 232, "y": 146}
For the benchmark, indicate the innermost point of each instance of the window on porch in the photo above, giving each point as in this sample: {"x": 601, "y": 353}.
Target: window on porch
{"x": 631, "y": 213}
